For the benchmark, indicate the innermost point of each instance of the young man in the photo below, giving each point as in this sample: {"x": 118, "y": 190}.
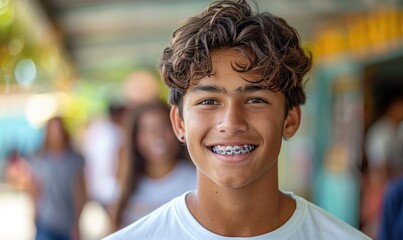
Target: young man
{"x": 235, "y": 80}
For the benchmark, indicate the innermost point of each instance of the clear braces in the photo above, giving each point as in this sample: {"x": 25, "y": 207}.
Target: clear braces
{"x": 233, "y": 150}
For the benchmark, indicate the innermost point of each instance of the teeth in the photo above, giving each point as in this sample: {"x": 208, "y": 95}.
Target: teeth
{"x": 233, "y": 150}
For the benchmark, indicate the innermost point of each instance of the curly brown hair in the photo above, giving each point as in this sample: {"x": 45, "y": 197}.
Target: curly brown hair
{"x": 271, "y": 47}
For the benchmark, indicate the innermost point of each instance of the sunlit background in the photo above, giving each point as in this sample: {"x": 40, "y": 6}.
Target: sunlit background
{"x": 71, "y": 57}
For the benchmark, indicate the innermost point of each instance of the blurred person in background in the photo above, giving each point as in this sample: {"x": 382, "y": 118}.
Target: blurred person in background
{"x": 16, "y": 169}
{"x": 139, "y": 87}
{"x": 157, "y": 165}
{"x": 56, "y": 184}
{"x": 384, "y": 149}
{"x": 384, "y": 153}
{"x": 391, "y": 221}
{"x": 102, "y": 143}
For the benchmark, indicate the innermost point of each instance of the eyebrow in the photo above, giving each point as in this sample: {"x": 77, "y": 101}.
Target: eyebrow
{"x": 249, "y": 88}
{"x": 209, "y": 88}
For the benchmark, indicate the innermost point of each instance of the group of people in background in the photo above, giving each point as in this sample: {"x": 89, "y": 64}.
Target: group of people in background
{"x": 132, "y": 162}
{"x": 129, "y": 162}
{"x": 382, "y": 200}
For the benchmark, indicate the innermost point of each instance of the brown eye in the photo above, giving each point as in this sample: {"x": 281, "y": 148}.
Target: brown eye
{"x": 256, "y": 100}
{"x": 208, "y": 102}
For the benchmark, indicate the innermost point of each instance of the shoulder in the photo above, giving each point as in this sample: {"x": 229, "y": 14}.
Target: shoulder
{"x": 74, "y": 153}
{"x": 75, "y": 158}
{"x": 37, "y": 162}
{"x": 381, "y": 127}
{"x": 162, "y": 223}
{"x": 396, "y": 185}
{"x": 394, "y": 191}
{"x": 324, "y": 225}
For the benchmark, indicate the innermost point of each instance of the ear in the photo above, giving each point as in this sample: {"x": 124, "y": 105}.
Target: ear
{"x": 177, "y": 123}
{"x": 292, "y": 122}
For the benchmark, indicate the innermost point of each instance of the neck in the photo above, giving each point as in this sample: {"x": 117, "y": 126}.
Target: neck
{"x": 245, "y": 212}
{"x": 159, "y": 169}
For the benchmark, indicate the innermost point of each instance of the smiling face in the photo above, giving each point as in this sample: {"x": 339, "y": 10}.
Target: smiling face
{"x": 155, "y": 138}
{"x": 233, "y": 127}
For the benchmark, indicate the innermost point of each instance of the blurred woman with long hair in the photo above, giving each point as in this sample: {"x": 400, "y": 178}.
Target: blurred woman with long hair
{"x": 155, "y": 164}
{"x": 57, "y": 185}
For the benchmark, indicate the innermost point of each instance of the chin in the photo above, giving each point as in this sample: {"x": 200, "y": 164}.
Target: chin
{"x": 235, "y": 181}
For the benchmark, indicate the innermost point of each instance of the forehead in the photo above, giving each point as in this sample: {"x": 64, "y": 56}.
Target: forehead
{"x": 227, "y": 56}
{"x": 226, "y": 64}
{"x": 228, "y": 59}
{"x": 155, "y": 113}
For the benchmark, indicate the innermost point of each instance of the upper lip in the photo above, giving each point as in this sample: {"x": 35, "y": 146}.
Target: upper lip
{"x": 231, "y": 143}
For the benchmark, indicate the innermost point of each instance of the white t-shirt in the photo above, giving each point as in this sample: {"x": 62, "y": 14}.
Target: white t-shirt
{"x": 174, "y": 221}
{"x": 153, "y": 193}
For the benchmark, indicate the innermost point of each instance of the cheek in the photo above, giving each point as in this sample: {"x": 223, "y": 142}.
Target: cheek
{"x": 142, "y": 142}
{"x": 195, "y": 122}
{"x": 271, "y": 129}
{"x": 196, "y": 133}
{"x": 197, "y": 129}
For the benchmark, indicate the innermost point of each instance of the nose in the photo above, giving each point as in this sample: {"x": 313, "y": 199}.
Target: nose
{"x": 232, "y": 121}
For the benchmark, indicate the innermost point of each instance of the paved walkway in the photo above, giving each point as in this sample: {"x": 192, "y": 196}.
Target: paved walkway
{"x": 16, "y": 214}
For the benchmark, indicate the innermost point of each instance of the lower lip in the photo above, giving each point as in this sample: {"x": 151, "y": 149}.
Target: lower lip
{"x": 233, "y": 158}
